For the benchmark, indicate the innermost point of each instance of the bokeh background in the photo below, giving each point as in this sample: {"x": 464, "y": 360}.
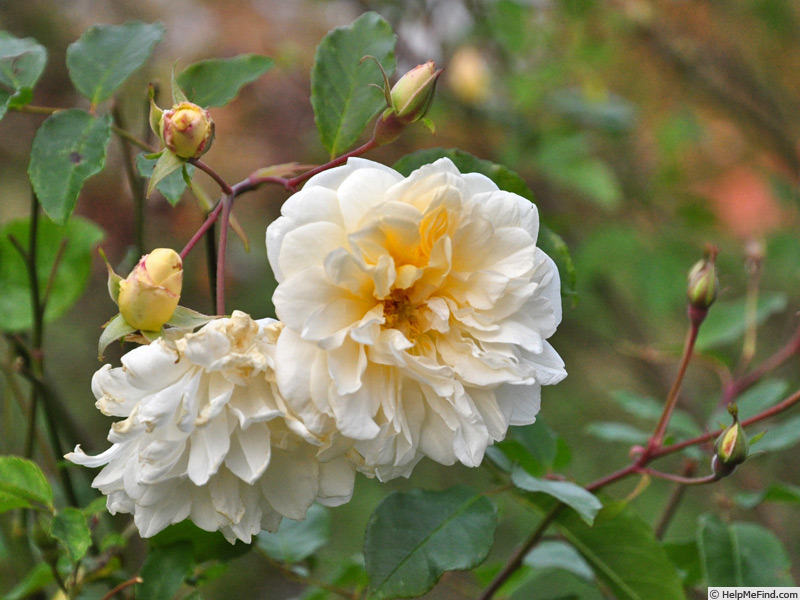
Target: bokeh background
{"x": 645, "y": 128}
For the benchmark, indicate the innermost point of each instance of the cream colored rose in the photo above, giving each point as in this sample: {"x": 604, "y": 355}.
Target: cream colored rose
{"x": 206, "y": 436}
{"x": 416, "y": 312}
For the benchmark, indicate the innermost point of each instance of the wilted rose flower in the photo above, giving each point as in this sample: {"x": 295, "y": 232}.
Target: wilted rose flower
{"x": 207, "y": 437}
{"x": 416, "y": 312}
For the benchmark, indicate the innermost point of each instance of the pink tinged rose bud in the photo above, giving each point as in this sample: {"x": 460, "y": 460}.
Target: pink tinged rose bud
{"x": 412, "y": 95}
{"x": 149, "y": 295}
{"x": 187, "y": 130}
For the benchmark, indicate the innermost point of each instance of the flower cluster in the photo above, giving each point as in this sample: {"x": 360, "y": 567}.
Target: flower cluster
{"x": 414, "y": 317}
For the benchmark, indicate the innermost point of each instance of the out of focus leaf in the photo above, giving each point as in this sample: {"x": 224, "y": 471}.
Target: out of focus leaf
{"x": 777, "y": 492}
{"x": 761, "y": 396}
{"x": 559, "y": 555}
{"x": 343, "y": 99}
{"x": 69, "y": 147}
{"x": 70, "y": 528}
{"x": 38, "y": 578}
{"x": 650, "y": 409}
{"x": 686, "y": 558}
{"x": 413, "y": 537}
{"x": 23, "y": 485}
{"x": 106, "y": 55}
{"x": 741, "y": 554}
{"x": 782, "y": 436}
{"x": 580, "y": 500}
{"x": 21, "y": 64}
{"x": 217, "y": 81}
{"x": 295, "y": 541}
{"x": 203, "y": 545}
{"x": 349, "y": 574}
{"x": 617, "y": 432}
{"x": 164, "y": 571}
{"x": 624, "y": 554}
{"x": 79, "y": 237}
{"x": 608, "y": 112}
{"x": 173, "y": 185}
{"x": 550, "y": 242}
{"x": 566, "y": 160}
{"x": 726, "y": 320}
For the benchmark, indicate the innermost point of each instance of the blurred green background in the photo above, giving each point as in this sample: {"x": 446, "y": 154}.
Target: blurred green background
{"x": 645, "y": 129}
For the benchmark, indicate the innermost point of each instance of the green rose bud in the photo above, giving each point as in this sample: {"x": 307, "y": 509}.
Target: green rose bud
{"x": 703, "y": 282}
{"x": 187, "y": 130}
{"x": 412, "y": 95}
{"x": 150, "y": 294}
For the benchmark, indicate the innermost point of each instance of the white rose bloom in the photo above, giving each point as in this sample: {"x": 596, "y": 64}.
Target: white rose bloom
{"x": 416, "y": 312}
{"x": 207, "y": 437}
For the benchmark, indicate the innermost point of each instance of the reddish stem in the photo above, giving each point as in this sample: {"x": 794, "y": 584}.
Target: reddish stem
{"x": 210, "y": 220}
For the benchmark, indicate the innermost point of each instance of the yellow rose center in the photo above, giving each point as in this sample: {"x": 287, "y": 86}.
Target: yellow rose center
{"x": 401, "y": 314}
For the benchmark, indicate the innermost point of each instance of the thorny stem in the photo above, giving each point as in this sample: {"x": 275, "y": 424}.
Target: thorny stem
{"x": 680, "y": 479}
{"x": 515, "y": 560}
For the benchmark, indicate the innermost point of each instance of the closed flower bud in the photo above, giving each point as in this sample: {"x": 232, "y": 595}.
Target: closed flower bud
{"x": 149, "y": 295}
{"x": 187, "y": 130}
{"x": 731, "y": 445}
{"x": 703, "y": 282}
{"x": 412, "y": 95}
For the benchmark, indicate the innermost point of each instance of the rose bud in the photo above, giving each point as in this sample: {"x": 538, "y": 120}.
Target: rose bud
{"x": 187, "y": 130}
{"x": 149, "y": 295}
{"x": 703, "y": 283}
{"x": 412, "y": 95}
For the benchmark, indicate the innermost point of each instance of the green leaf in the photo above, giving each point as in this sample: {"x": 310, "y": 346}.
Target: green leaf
{"x": 550, "y": 242}
{"x": 781, "y": 437}
{"x": 580, "y": 500}
{"x": 343, "y": 100}
{"x": 533, "y": 447}
{"x": 777, "y": 492}
{"x": 168, "y": 163}
{"x": 70, "y": 528}
{"x": 186, "y": 318}
{"x": 106, "y": 55}
{"x": 69, "y": 147}
{"x": 21, "y": 64}
{"x": 78, "y": 236}
{"x": 741, "y": 554}
{"x": 761, "y": 396}
{"x": 686, "y": 558}
{"x": 22, "y": 61}
{"x": 726, "y": 320}
{"x": 349, "y": 574}
{"x": 205, "y": 545}
{"x": 23, "y": 485}
{"x": 295, "y": 541}
{"x": 173, "y": 185}
{"x": 559, "y": 555}
{"x": 412, "y": 538}
{"x": 617, "y": 432}
{"x": 164, "y": 571}
{"x": 650, "y": 409}
{"x": 116, "y": 329}
{"x": 38, "y": 578}
{"x": 217, "y": 81}
{"x": 567, "y": 161}
{"x": 624, "y": 554}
